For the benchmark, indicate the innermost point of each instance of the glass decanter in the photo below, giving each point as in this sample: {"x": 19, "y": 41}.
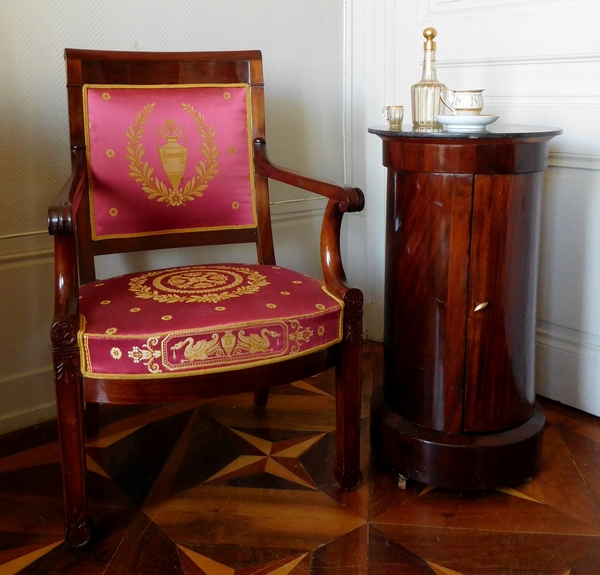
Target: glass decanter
{"x": 425, "y": 95}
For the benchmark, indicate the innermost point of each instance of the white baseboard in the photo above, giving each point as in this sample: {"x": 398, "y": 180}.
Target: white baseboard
{"x": 568, "y": 366}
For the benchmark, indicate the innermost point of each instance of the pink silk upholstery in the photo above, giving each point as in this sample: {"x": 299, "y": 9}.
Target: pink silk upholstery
{"x": 167, "y": 159}
{"x": 203, "y": 319}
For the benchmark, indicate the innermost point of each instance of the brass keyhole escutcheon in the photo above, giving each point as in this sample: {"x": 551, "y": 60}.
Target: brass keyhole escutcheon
{"x": 481, "y": 306}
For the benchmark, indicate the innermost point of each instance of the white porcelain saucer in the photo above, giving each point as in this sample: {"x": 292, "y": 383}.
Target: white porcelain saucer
{"x": 466, "y": 123}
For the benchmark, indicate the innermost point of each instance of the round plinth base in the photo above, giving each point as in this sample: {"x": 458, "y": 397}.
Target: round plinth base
{"x": 452, "y": 460}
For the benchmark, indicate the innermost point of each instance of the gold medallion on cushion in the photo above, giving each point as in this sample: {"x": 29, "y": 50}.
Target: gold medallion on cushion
{"x": 197, "y": 284}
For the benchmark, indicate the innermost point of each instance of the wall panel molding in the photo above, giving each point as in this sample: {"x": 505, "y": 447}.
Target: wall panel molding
{"x": 313, "y": 203}
{"x": 444, "y": 7}
{"x": 530, "y": 77}
{"x": 522, "y": 61}
{"x": 575, "y": 161}
{"x": 26, "y": 258}
{"x": 25, "y": 249}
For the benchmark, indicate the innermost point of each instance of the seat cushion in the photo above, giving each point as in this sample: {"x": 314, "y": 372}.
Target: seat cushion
{"x": 203, "y": 319}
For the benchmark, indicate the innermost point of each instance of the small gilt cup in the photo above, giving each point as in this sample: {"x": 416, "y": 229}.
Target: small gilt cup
{"x": 394, "y": 115}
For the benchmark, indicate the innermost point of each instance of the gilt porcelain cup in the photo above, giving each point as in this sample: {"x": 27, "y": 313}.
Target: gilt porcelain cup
{"x": 463, "y": 102}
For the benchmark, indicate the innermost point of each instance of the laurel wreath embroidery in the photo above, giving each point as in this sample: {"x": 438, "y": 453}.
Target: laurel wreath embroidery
{"x": 142, "y": 172}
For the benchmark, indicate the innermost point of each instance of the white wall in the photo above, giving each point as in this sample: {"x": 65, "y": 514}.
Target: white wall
{"x": 539, "y": 61}
{"x": 303, "y": 57}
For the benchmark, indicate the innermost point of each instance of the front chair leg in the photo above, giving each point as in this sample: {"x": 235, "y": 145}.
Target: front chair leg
{"x": 69, "y": 395}
{"x": 348, "y": 375}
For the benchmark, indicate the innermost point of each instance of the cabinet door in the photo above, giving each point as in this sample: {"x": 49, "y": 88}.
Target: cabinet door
{"x": 427, "y": 252}
{"x": 499, "y": 384}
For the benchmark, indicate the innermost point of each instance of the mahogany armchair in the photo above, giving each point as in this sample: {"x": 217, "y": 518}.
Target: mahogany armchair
{"x": 169, "y": 151}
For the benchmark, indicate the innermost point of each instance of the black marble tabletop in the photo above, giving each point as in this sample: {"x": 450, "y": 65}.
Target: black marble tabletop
{"x": 496, "y": 130}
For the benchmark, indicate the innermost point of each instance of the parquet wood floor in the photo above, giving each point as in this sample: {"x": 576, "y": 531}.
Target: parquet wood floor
{"x": 224, "y": 488}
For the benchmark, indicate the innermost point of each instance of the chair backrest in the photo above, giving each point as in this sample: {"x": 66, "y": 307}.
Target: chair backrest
{"x": 168, "y": 142}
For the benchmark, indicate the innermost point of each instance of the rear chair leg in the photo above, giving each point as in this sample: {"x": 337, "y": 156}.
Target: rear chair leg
{"x": 261, "y": 397}
{"x": 92, "y": 418}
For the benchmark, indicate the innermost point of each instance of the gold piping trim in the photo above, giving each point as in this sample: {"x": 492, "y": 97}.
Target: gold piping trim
{"x": 341, "y": 320}
{"x": 233, "y": 367}
{"x": 84, "y": 357}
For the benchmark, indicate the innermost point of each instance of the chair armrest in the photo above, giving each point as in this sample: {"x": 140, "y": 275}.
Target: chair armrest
{"x": 349, "y": 199}
{"x": 61, "y": 212}
{"x": 342, "y": 199}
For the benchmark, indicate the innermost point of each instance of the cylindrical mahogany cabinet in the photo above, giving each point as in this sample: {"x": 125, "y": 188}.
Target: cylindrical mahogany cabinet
{"x": 457, "y": 407}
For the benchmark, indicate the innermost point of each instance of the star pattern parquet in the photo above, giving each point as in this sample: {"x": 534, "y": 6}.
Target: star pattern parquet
{"x": 226, "y": 488}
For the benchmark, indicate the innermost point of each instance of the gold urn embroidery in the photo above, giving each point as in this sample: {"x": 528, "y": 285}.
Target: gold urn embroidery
{"x": 228, "y": 343}
{"x": 173, "y": 153}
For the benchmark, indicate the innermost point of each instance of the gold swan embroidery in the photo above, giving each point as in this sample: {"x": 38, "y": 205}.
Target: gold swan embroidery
{"x": 199, "y": 350}
{"x": 255, "y": 343}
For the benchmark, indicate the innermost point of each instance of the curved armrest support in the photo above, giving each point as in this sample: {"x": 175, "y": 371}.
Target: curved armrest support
{"x": 65, "y": 323}
{"x": 61, "y": 212}
{"x": 61, "y": 216}
{"x": 349, "y": 199}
